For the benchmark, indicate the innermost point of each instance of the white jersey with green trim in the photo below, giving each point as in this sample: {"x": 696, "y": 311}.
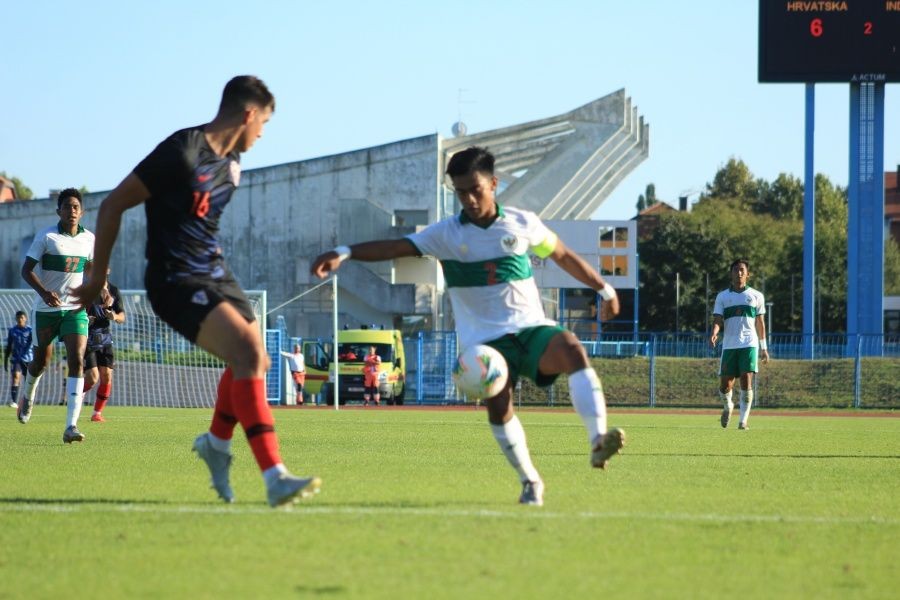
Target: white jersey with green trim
{"x": 61, "y": 259}
{"x": 739, "y": 310}
{"x": 488, "y": 271}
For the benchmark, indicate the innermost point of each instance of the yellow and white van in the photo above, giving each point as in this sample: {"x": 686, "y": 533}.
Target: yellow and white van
{"x": 353, "y": 345}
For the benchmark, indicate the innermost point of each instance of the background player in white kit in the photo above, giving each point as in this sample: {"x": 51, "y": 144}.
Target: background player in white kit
{"x": 56, "y": 262}
{"x": 738, "y": 312}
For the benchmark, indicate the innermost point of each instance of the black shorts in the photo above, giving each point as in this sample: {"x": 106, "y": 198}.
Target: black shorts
{"x": 17, "y": 366}
{"x": 101, "y": 356}
{"x": 184, "y": 303}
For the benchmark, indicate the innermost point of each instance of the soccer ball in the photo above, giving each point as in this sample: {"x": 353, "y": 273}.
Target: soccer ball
{"x": 480, "y": 372}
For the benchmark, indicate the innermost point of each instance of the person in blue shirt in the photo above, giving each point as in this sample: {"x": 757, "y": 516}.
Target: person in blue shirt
{"x": 18, "y": 347}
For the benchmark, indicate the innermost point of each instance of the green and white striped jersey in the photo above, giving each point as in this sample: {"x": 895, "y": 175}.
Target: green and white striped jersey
{"x": 488, "y": 271}
{"x": 61, "y": 260}
{"x": 739, "y": 311}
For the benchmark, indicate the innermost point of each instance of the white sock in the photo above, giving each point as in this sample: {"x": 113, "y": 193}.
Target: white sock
{"x": 273, "y": 474}
{"x": 31, "y": 385}
{"x": 75, "y": 396}
{"x": 726, "y": 399}
{"x": 218, "y": 443}
{"x": 511, "y": 438}
{"x": 586, "y": 393}
{"x": 746, "y": 403}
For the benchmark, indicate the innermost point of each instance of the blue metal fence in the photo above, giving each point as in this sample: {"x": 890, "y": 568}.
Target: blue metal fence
{"x": 275, "y": 375}
{"x": 430, "y": 356}
{"x": 681, "y": 369}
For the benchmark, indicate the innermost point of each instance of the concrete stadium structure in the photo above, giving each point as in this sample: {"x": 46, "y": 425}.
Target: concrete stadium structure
{"x": 562, "y": 167}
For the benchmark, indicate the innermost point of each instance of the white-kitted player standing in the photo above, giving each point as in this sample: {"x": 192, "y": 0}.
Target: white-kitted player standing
{"x": 739, "y": 312}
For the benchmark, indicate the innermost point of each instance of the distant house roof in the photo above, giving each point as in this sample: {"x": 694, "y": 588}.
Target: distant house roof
{"x": 892, "y": 202}
{"x": 648, "y": 219}
{"x": 657, "y": 209}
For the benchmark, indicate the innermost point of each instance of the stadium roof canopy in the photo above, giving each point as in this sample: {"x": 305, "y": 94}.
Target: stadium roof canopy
{"x": 564, "y": 167}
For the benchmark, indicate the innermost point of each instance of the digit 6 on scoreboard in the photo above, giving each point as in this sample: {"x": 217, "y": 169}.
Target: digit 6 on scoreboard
{"x": 815, "y": 27}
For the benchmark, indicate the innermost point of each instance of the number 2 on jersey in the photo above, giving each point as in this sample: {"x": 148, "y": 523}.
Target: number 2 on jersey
{"x": 491, "y": 268}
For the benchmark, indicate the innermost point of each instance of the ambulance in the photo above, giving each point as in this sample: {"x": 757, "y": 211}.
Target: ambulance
{"x": 353, "y": 345}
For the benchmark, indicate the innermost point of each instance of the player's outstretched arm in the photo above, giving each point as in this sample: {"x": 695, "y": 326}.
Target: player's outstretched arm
{"x": 366, "y": 251}
{"x": 577, "y": 267}
{"x": 127, "y": 194}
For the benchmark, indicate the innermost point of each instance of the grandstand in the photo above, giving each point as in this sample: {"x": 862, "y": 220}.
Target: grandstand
{"x": 283, "y": 215}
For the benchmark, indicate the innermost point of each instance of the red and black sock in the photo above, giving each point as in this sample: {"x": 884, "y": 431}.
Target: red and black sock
{"x": 103, "y": 392}
{"x": 224, "y": 421}
{"x": 253, "y": 412}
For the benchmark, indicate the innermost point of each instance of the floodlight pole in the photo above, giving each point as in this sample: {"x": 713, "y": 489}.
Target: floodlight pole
{"x": 809, "y": 227}
{"x": 334, "y": 350}
{"x": 865, "y": 217}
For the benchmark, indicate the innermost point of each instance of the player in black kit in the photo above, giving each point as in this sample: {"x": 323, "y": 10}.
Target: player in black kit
{"x": 99, "y": 357}
{"x": 185, "y": 184}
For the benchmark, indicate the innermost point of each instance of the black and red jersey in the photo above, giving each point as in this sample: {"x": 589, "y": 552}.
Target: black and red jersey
{"x": 189, "y": 188}
{"x": 99, "y": 334}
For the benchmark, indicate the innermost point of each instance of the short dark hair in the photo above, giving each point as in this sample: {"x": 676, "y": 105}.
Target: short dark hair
{"x": 20, "y": 313}
{"x": 68, "y": 193}
{"x": 743, "y": 261}
{"x": 243, "y": 90}
{"x": 473, "y": 158}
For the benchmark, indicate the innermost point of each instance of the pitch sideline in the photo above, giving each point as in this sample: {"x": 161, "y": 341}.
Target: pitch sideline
{"x": 523, "y": 513}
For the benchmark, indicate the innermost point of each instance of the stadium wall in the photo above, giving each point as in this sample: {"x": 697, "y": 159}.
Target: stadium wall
{"x": 278, "y": 220}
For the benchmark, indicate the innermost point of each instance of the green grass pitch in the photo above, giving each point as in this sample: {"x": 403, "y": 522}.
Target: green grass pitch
{"x": 421, "y": 504}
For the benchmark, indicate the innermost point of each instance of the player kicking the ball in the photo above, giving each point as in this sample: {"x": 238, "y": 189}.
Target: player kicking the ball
{"x": 185, "y": 184}
{"x": 484, "y": 255}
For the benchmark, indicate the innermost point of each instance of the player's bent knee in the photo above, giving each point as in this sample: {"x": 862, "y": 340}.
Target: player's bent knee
{"x": 571, "y": 350}
{"x": 250, "y": 358}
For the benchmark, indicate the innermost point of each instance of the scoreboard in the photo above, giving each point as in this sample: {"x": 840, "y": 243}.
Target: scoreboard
{"x": 836, "y": 41}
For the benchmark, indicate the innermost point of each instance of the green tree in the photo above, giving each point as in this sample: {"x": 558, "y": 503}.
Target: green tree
{"x": 651, "y": 194}
{"x": 23, "y": 192}
{"x": 783, "y": 198}
{"x": 743, "y": 217}
{"x": 733, "y": 181}
{"x": 891, "y": 268}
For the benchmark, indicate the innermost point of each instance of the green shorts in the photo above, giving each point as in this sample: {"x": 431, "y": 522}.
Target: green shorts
{"x": 523, "y": 351}
{"x": 61, "y": 322}
{"x": 737, "y": 361}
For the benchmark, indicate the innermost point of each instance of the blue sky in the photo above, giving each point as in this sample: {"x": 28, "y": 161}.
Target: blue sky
{"x": 91, "y": 87}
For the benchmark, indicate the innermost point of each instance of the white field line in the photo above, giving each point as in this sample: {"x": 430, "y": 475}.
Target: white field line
{"x": 522, "y": 513}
